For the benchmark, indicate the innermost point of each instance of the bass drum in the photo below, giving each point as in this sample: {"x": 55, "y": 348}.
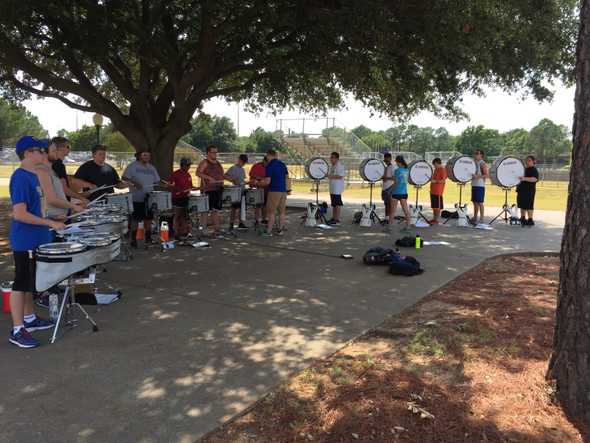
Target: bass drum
{"x": 419, "y": 173}
{"x": 317, "y": 168}
{"x": 506, "y": 170}
{"x": 461, "y": 168}
{"x": 372, "y": 170}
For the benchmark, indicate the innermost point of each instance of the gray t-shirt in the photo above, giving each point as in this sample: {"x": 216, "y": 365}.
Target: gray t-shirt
{"x": 146, "y": 175}
{"x": 389, "y": 172}
{"x": 479, "y": 182}
{"x": 237, "y": 174}
{"x": 337, "y": 184}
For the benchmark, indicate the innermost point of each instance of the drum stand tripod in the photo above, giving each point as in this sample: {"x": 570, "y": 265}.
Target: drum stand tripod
{"x": 69, "y": 301}
{"x": 314, "y": 211}
{"x": 369, "y": 213}
{"x": 459, "y": 206}
{"x": 418, "y": 208}
{"x": 505, "y": 212}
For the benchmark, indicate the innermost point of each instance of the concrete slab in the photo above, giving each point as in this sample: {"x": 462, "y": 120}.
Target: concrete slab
{"x": 201, "y": 333}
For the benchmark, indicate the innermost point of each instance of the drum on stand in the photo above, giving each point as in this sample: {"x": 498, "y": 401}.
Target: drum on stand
{"x": 122, "y": 200}
{"x": 419, "y": 173}
{"x": 506, "y": 170}
{"x": 372, "y": 170}
{"x": 159, "y": 201}
{"x": 255, "y": 196}
{"x": 317, "y": 168}
{"x": 460, "y": 169}
{"x": 232, "y": 194}
{"x": 198, "y": 203}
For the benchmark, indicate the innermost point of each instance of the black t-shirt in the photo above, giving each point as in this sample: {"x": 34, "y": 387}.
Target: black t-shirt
{"x": 524, "y": 187}
{"x": 99, "y": 175}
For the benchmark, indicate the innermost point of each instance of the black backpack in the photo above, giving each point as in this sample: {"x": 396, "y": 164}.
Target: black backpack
{"x": 356, "y": 218}
{"x": 449, "y": 214}
{"x": 377, "y": 256}
{"x": 406, "y": 242}
{"x": 407, "y": 266}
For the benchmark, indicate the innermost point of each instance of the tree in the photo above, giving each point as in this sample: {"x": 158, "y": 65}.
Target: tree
{"x": 265, "y": 140}
{"x": 478, "y": 137}
{"x": 548, "y": 140}
{"x": 516, "y": 142}
{"x": 116, "y": 142}
{"x": 207, "y": 130}
{"x": 149, "y": 65}
{"x": 571, "y": 343}
{"x": 84, "y": 138}
{"x": 16, "y": 121}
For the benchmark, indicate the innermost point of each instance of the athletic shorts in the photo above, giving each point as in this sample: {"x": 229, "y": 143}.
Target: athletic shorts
{"x": 276, "y": 201}
{"x": 180, "y": 202}
{"x": 525, "y": 200}
{"x": 141, "y": 211}
{"x": 386, "y": 195}
{"x": 336, "y": 200}
{"x": 436, "y": 201}
{"x": 478, "y": 194}
{"x": 399, "y": 196}
{"x": 24, "y": 271}
{"x": 215, "y": 200}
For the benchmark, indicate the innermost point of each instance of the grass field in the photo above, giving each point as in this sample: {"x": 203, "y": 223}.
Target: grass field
{"x": 550, "y": 195}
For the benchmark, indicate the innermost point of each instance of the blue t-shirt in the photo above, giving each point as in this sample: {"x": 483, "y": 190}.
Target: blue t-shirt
{"x": 401, "y": 181}
{"x": 25, "y": 188}
{"x": 277, "y": 171}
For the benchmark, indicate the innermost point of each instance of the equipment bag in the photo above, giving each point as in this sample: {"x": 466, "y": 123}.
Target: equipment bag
{"x": 356, "y": 218}
{"x": 406, "y": 242}
{"x": 449, "y": 214}
{"x": 378, "y": 256}
{"x": 407, "y": 266}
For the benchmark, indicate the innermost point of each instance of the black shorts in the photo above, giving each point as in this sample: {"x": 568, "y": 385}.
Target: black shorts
{"x": 215, "y": 200}
{"x": 400, "y": 196}
{"x": 386, "y": 195}
{"x": 24, "y": 271}
{"x": 141, "y": 211}
{"x": 336, "y": 200}
{"x": 180, "y": 202}
{"x": 525, "y": 200}
{"x": 436, "y": 201}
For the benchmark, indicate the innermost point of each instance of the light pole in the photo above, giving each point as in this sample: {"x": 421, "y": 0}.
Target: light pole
{"x": 97, "y": 120}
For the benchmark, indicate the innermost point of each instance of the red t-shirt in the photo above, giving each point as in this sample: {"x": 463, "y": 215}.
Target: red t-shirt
{"x": 181, "y": 181}
{"x": 438, "y": 188}
{"x": 257, "y": 171}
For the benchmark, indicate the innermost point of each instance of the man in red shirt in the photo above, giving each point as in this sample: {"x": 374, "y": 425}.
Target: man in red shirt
{"x": 257, "y": 175}
{"x": 437, "y": 188}
{"x": 181, "y": 183}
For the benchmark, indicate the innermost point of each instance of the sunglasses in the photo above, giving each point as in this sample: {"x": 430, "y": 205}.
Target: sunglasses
{"x": 39, "y": 150}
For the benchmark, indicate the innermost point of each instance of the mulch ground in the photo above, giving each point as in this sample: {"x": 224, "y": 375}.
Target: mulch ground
{"x": 466, "y": 364}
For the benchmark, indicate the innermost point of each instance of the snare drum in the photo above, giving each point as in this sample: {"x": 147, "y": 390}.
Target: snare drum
{"x": 317, "y": 168}
{"x": 255, "y": 197}
{"x": 506, "y": 170}
{"x": 232, "y": 194}
{"x": 159, "y": 201}
{"x": 121, "y": 200}
{"x": 461, "y": 168}
{"x": 372, "y": 170}
{"x": 419, "y": 173}
{"x": 198, "y": 203}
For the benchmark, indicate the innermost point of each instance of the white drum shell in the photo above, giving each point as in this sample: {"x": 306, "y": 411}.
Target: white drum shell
{"x": 317, "y": 168}
{"x": 232, "y": 194}
{"x": 419, "y": 173}
{"x": 372, "y": 170}
{"x": 122, "y": 200}
{"x": 198, "y": 203}
{"x": 460, "y": 169}
{"x": 159, "y": 201}
{"x": 506, "y": 170}
{"x": 254, "y": 197}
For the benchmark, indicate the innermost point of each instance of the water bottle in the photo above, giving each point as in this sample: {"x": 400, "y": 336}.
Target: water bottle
{"x": 418, "y": 242}
{"x": 164, "y": 232}
{"x": 53, "y": 307}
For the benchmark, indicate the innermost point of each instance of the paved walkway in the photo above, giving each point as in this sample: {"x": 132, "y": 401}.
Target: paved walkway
{"x": 200, "y": 334}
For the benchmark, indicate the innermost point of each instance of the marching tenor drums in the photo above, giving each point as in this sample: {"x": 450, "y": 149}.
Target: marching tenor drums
{"x": 198, "y": 203}
{"x": 461, "y": 168}
{"x": 159, "y": 201}
{"x": 317, "y": 168}
{"x": 255, "y": 197}
{"x": 372, "y": 170}
{"x": 232, "y": 194}
{"x": 121, "y": 200}
{"x": 506, "y": 170}
{"x": 419, "y": 173}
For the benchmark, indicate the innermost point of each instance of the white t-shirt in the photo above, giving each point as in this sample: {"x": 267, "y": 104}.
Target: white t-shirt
{"x": 337, "y": 184}
{"x": 389, "y": 172}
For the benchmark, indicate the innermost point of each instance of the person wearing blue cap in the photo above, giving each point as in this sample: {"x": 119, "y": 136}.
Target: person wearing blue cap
{"x": 28, "y": 229}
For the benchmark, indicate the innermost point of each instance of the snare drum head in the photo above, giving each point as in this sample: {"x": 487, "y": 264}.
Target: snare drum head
{"x": 506, "y": 170}
{"x": 372, "y": 169}
{"x": 95, "y": 240}
{"x": 61, "y": 248}
{"x": 419, "y": 172}
{"x": 317, "y": 168}
{"x": 461, "y": 168}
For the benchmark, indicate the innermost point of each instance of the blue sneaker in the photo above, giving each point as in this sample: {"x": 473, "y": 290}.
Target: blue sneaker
{"x": 23, "y": 339}
{"x": 39, "y": 324}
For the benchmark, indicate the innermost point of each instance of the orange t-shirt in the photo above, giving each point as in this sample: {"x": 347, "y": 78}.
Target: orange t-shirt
{"x": 438, "y": 188}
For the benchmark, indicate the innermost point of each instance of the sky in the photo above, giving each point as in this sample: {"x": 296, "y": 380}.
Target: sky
{"x": 496, "y": 110}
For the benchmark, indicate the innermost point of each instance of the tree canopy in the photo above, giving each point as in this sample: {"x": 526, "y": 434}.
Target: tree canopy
{"x": 148, "y": 65}
{"x": 15, "y": 121}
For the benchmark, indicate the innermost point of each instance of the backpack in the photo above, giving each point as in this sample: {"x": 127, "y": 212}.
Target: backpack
{"x": 449, "y": 214}
{"x": 377, "y": 256}
{"x": 406, "y": 242}
{"x": 407, "y": 266}
{"x": 356, "y": 218}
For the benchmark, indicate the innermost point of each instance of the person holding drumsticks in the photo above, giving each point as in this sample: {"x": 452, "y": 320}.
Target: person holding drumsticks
{"x": 211, "y": 174}
{"x": 525, "y": 197}
{"x": 257, "y": 174}
{"x": 336, "y": 175}
{"x": 400, "y": 191}
{"x": 478, "y": 186}
{"x": 181, "y": 184}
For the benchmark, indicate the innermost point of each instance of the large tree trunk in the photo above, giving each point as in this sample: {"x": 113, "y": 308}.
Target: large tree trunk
{"x": 570, "y": 362}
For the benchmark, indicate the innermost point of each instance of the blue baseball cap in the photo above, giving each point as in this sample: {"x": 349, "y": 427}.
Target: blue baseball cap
{"x": 28, "y": 142}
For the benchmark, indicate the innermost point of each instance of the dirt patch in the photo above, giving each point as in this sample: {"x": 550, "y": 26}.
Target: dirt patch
{"x": 466, "y": 364}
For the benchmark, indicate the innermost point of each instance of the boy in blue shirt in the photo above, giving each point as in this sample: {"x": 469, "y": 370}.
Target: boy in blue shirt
{"x": 28, "y": 229}
{"x": 400, "y": 189}
{"x": 276, "y": 180}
